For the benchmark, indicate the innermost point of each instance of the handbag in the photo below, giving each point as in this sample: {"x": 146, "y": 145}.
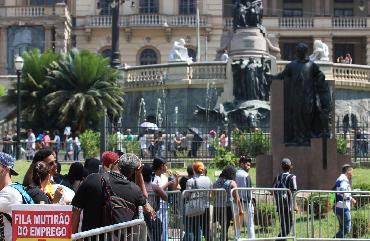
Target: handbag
{"x": 196, "y": 205}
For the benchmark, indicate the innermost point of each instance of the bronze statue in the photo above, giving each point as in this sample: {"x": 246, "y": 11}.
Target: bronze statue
{"x": 247, "y": 13}
{"x": 307, "y": 100}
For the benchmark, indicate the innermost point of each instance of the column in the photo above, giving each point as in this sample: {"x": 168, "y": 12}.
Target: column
{"x": 318, "y": 10}
{"x": 327, "y": 8}
{"x": 3, "y": 50}
{"x": 48, "y": 38}
{"x": 368, "y": 50}
{"x": 274, "y": 7}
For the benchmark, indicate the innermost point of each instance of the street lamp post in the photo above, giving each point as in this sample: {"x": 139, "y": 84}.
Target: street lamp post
{"x": 18, "y": 66}
{"x": 115, "y": 60}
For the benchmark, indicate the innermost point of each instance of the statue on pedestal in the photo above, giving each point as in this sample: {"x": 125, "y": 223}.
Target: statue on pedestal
{"x": 320, "y": 51}
{"x": 307, "y": 100}
{"x": 247, "y": 13}
{"x": 179, "y": 52}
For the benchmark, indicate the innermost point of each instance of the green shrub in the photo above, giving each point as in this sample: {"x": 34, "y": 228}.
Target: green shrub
{"x": 3, "y": 90}
{"x": 265, "y": 215}
{"x": 360, "y": 224}
{"x": 90, "y": 143}
{"x": 112, "y": 141}
{"x": 132, "y": 147}
{"x": 224, "y": 157}
{"x": 250, "y": 143}
{"x": 341, "y": 145}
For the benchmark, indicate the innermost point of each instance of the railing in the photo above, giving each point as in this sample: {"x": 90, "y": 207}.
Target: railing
{"x": 309, "y": 22}
{"x": 355, "y": 75}
{"x": 134, "y": 231}
{"x": 292, "y": 23}
{"x": 153, "y": 20}
{"x": 58, "y": 9}
{"x": 212, "y": 70}
{"x": 349, "y": 22}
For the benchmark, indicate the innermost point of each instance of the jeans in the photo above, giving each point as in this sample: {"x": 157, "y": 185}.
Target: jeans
{"x": 286, "y": 220}
{"x": 248, "y": 219}
{"x": 344, "y": 219}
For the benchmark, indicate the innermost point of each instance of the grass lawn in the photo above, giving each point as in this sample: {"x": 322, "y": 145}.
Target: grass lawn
{"x": 361, "y": 175}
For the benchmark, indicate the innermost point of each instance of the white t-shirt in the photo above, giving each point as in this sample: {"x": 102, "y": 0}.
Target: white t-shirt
{"x": 31, "y": 141}
{"x": 9, "y": 196}
{"x": 143, "y": 142}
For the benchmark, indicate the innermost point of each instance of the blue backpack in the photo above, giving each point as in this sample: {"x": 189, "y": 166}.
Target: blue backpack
{"x": 26, "y": 198}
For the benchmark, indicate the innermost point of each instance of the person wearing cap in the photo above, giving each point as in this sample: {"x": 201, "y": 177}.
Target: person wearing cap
{"x": 90, "y": 197}
{"x": 109, "y": 159}
{"x": 343, "y": 201}
{"x": 8, "y": 195}
{"x": 198, "y": 225}
{"x": 289, "y": 181}
{"x": 243, "y": 180}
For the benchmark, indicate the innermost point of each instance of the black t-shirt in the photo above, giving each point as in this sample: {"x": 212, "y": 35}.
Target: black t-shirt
{"x": 38, "y": 195}
{"x": 90, "y": 198}
{"x": 182, "y": 183}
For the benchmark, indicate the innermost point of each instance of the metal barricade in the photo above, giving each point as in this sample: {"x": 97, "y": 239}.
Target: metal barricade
{"x": 204, "y": 215}
{"x": 128, "y": 231}
{"x": 321, "y": 216}
{"x": 167, "y": 226}
{"x": 267, "y": 213}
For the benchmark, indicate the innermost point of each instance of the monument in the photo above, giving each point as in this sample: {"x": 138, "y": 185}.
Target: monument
{"x": 251, "y": 65}
{"x": 301, "y": 126}
{"x": 179, "y": 53}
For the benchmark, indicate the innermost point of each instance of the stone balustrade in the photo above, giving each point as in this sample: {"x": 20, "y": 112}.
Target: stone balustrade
{"x": 345, "y": 76}
{"x": 295, "y": 23}
{"x": 58, "y": 9}
{"x": 310, "y": 22}
{"x": 153, "y": 20}
{"x": 349, "y": 22}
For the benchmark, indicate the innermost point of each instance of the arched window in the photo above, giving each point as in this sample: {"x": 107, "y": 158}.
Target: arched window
{"x": 106, "y": 53}
{"x": 105, "y": 8}
{"x": 187, "y": 7}
{"x": 193, "y": 54}
{"x": 149, "y": 6}
{"x": 148, "y": 56}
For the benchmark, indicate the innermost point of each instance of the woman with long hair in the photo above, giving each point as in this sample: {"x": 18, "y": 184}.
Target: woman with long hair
{"x": 226, "y": 181}
{"x": 40, "y": 180}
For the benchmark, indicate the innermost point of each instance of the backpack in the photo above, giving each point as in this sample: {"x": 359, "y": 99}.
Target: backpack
{"x": 115, "y": 209}
{"x": 26, "y": 198}
{"x": 282, "y": 181}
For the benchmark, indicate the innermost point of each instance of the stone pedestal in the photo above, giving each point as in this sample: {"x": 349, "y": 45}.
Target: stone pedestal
{"x": 248, "y": 42}
{"x": 307, "y": 160}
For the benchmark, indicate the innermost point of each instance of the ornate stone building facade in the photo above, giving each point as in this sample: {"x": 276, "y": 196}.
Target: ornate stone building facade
{"x": 149, "y": 27}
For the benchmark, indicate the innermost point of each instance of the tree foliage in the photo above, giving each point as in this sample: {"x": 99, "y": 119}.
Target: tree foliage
{"x": 72, "y": 89}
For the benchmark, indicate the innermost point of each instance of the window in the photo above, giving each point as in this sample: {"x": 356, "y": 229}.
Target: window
{"x": 105, "y": 8}
{"x": 45, "y": 2}
{"x": 288, "y": 52}
{"x": 106, "y": 53}
{"x": 342, "y": 49}
{"x": 292, "y": 12}
{"x": 187, "y": 7}
{"x": 193, "y": 54}
{"x": 343, "y": 1}
{"x": 228, "y": 8}
{"x": 292, "y": 1}
{"x": 343, "y": 12}
{"x": 149, "y": 6}
{"x": 148, "y": 56}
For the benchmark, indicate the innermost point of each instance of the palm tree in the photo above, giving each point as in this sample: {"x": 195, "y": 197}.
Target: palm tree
{"x": 35, "y": 85}
{"x": 86, "y": 87}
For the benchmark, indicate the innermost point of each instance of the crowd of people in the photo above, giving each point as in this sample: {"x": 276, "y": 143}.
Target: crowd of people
{"x": 345, "y": 60}
{"x": 89, "y": 188}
